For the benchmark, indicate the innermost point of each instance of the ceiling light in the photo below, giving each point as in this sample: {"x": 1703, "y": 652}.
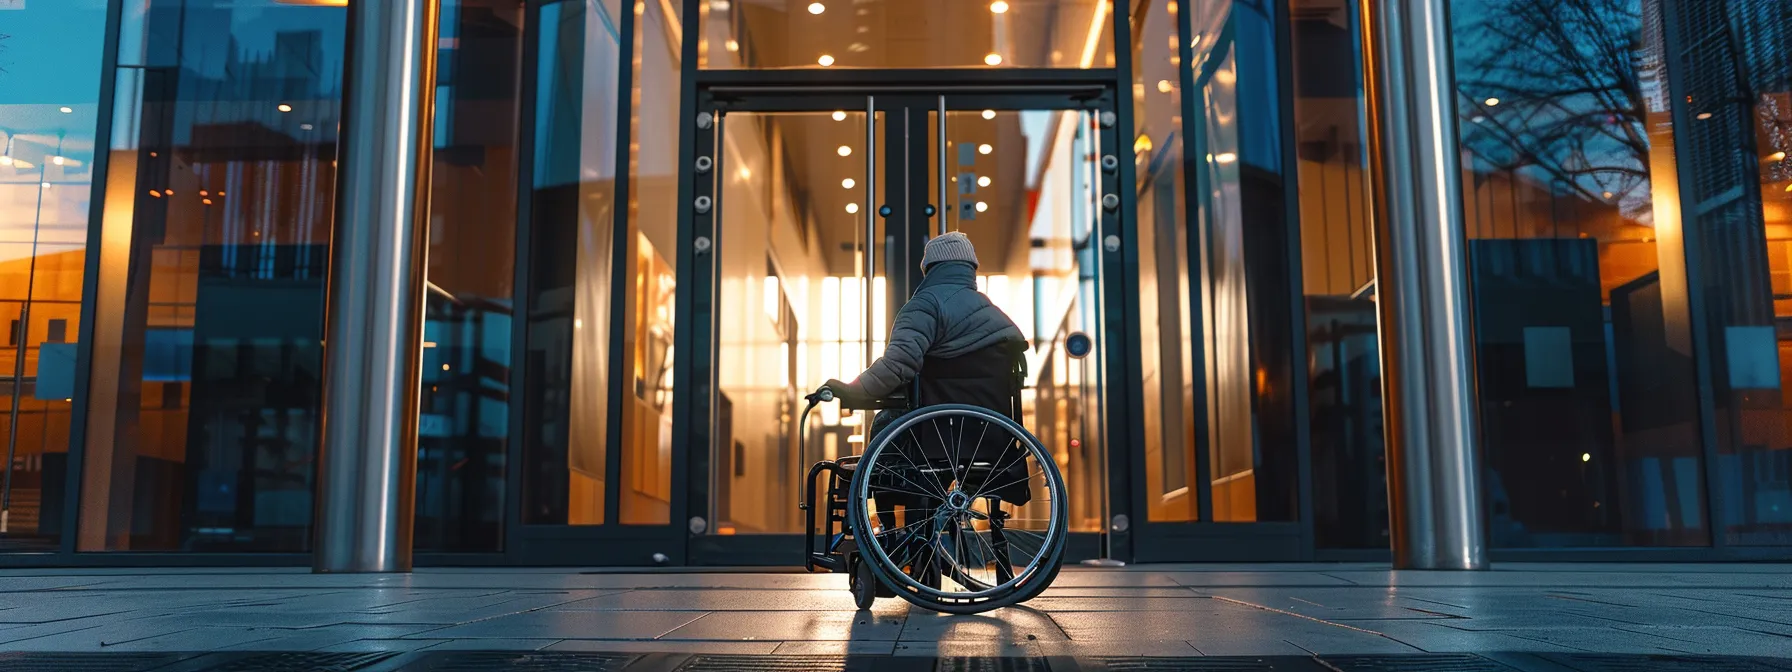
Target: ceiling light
{"x": 839, "y": 116}
{"x": 983, "y": 181}
{"x": 852, "y": 208}
{"x": 305, "y": 127}
{"x": 844, "y": 150}
{"x": 1163, "y": 86}
{"x": 1586, "y": 457}
{"x": 982, "y": 207}
{"x": 847, "y": 183}
{"x": 817, "y": 8}
{"x": 732, "y": 45}
{"x": 283, "y": 107}
{"x": 57, "y": 160}
{"x": 1777, "y": 156}
{"x": 985, "y": 149}
{"x": 993, "y": 59}
{"x": 1226, "y": 157}
{"x": 1703, "y": 116}
{"x": 1492, "y": 102}
{"x": 825, "y": 60}
{"x": 989, "y": 114}
{"x": 998, "y": 6}
{"x": 67, "y": 110}
{"x": 46, "y": 185}
{"x": 5, "y": 160}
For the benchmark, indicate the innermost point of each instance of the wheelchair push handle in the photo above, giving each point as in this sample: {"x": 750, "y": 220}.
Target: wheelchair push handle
{"x": 816, "y": 398}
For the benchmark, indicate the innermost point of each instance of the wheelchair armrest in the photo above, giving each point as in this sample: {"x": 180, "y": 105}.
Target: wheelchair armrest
{"x": 896, "y": 400}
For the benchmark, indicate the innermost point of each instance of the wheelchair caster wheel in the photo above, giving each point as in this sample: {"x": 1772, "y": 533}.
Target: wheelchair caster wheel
{"x": 861, "y": 583}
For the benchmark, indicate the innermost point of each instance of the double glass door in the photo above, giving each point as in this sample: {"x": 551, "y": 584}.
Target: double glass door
{"x": 812, "y": 210}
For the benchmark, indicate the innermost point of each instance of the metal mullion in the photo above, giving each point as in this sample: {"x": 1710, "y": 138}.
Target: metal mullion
{"x": 1120, "y": 282}
{"x": 620, "y": 257}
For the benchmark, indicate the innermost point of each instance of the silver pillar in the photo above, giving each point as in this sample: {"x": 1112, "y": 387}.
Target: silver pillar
{"x": 374, "y": 325}
{"x": 1422, "y": 293}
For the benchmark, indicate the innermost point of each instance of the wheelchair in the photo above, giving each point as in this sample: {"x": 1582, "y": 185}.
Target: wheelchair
{"x": 953, "y": 506}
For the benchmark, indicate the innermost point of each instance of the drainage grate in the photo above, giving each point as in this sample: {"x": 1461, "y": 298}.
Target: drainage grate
{"x": 1464, "y": 662}
{"x": 1598, "y": 662}
{"x": 1212, "y": 664}
{"x": 519, "y": 661}
{"x": 298, "y": 662}
{"x": 85, "y": 662}
{"x": 765, "y": 664}
{"x": 993, "y": 665}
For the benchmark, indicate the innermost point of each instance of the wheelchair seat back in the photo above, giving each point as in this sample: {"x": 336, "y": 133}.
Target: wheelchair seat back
{"x": 992, "y": 378}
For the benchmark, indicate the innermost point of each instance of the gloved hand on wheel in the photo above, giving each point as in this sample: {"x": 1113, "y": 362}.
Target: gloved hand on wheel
{"x": 844, "y": 390}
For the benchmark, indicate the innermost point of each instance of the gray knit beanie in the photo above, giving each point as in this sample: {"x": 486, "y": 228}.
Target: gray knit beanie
{"x": 954, "y": 246}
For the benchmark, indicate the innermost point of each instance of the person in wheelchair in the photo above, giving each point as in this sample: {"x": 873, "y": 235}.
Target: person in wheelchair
{"x": 961, "y": 348}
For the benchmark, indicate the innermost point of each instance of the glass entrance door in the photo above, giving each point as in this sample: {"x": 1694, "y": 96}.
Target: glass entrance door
{"x": 822, "y": 204}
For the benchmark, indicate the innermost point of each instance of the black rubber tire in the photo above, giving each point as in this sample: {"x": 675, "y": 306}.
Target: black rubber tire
{"x": 861, "y": 582}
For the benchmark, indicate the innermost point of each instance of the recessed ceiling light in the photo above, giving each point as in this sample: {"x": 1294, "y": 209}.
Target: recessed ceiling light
{"x": 993, "y": 59}
{"x": 825, "y": 60}
{"x": 817, "y": 8}
{"x": 847, "y": 183}
{"x": 732, "y": 45}
{"x": 985, "y": 149}
{"x": 852, "y": 208}
{"x": 1226, "y": 157}
{"x": 1777, "y": 156}
{"x": 983, "y": 181}
{"x": 982, "y": 207}
{"x": 998, "y": 6}
{"x": 839, "y": 116}
{"x": 844, "y": 150}
{"x": 1163, "y": 86}
{"x": 989, "y": 114}
{"x": 1703, "y": 116}
{"x": 67, "y": 110}
{"x": 283, "y": 107}
{"x": 1491, "y": 102}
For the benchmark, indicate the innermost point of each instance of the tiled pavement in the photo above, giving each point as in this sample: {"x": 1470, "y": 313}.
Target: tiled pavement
{"x": 1560, "y": 617}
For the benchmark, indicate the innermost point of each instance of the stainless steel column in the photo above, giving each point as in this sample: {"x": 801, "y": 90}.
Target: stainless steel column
{"x": 374, "y": 324}
{"x": 1422, "y": 294}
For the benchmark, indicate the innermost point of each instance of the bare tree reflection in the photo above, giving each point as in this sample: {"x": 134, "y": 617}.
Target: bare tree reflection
{"x": 1552, "y": 87}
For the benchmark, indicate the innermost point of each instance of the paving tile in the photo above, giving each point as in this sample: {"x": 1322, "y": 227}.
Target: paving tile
{"x": 1155, "y": 648}
{"x": 978, "y": 649}
{"x": 313, "y": 639}
{"x": 375, "y": 645}
{"x": 488, "y": 644}
{"x": 195, "y": 639}
{"x": 1433, "y": 638}
{"x": 836, "y": 648}
{"x": 1717, "y": 640}
{"x": 1001, "y": 625}
{"x": 1050, "y": 602}
{"x": 785, "y": 626}
{"x": 1212, "y": 579}
{"x": 1112, "y": 626}
{"x": 718, "y": 600}
{"x": 1326, "y": 639}
{"x": 663, "y": 646}
{"x": 572, "y": 625}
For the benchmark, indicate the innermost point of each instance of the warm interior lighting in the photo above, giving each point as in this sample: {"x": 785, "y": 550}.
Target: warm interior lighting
{"x": 206, "y": 201}
{"x": 1492, "y": 102}
{"x": 993, "y": 59}
{"x": 315, "y": 3}
{"x": 1163, "y": 86}
{"x": 46, "y": 185}
{"x": 732, "y": 45}
{"x": 1093, "y": 41}
{"x": 5, "y": 160}
{"x": 1777, "y": 156}
{"x": 852, "y": 208}
{"x": 1226, "y": 157}
{"x": 839, "y": 116}
{"x": 982, "y": 207}
{"x": 983, "y": 181}
{"x": 844, "y": 150}
{"x": 1586, "y": 457}
{"x": 998, "y": 7}
{"x": 66, "y": 110}
{"x": 283, "y": 107}
{"x": 1703, "y": 116}
{"x": 847, "y": 183}
{"x": 817, "y": 8}
{"x": 989, "y": 114}
{"x": 57, "y": 160}
{"x": 825, "y": 60}
{"x": 985, "y": 149}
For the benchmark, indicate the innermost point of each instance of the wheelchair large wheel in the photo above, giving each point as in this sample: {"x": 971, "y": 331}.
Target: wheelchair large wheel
{"x": 959, "y": 509}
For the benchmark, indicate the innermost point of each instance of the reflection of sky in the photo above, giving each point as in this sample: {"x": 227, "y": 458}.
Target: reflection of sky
{"x": 52, "y": 60}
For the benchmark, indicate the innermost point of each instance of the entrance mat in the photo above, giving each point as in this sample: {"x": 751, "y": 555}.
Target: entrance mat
{"x": 551, "y": 661}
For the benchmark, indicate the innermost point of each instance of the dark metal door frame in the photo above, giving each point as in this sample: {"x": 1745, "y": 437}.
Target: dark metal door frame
{"x": 904, "y": 101}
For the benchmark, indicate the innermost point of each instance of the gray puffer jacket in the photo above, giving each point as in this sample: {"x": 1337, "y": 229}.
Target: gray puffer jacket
{"x": 946, "y": 317}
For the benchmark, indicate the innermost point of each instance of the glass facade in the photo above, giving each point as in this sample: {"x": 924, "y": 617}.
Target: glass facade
{"x": 613, "y": 367}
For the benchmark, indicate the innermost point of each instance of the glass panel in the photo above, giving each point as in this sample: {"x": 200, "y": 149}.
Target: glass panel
{"x": 1337, "y": 273}
{"x": 1023, "y": 185}
{"x": 1738, "y": 93}
{"x": 654, "y": 162}
{"x": 793, "y": 304}
{"x": 1166, "y": 327}
{"x": 771, "y": 34}
{"x": 1242, "y": 240}
{"x": 203, "y": 421}
{"x": 48, "y": 114}
{"x": 1584, "y": 340}
{"x": 472, "y": 271}
{"x": 574, "y": 217}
